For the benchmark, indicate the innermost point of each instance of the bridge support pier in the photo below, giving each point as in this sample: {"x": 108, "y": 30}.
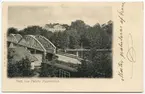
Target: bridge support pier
{"x": 34, "y": 51}
{"x": 44, "y": 56}
{"x": 77, "y": 54}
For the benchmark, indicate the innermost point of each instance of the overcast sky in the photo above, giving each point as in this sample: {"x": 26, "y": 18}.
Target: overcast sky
{"x": 22, "y": 16}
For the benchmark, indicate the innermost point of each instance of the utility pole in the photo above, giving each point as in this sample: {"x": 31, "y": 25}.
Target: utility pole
{"x": 82, "y": 55}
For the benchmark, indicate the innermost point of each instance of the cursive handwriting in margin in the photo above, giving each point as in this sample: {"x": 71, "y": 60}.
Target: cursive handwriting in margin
{"x": 131, "y": 54}
{"x": 120, "y": 44}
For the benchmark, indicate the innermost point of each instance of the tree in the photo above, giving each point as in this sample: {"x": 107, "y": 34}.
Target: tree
{"x": 12, "y": 30}
{"x": 20, "y": 68}
{"x": 79, "y": 25}
{"x": 32, "y": 30}
{"x": 13, "y": 70}
{"x": 64, "y": 40}
{"x": 108, "y": 29}
{"x": 24, "y": 67}
{"x": 47, "y": 34}
{"x": 74, "y": 38}
{"x": 19, "y": 64}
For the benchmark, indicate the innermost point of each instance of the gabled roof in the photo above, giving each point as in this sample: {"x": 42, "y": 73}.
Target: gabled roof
{"x": 19, "y": 53}
{"x": 68, "y": 59}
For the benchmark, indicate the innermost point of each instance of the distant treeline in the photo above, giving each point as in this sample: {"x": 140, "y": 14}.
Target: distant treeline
{"x": 77, "y": 35}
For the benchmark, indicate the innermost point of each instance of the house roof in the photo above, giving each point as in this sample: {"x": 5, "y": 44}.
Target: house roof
{"x": 67, "y": 59}
{"x": 19, "y": 53}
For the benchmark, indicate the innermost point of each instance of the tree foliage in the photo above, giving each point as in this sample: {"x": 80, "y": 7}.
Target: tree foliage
{"x": 81, "y": 35}
{"x": 12, "y": 30}
{"x": 20, "y": 68}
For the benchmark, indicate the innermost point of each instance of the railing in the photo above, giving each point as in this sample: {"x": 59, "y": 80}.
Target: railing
{"x": 76, "y": 50}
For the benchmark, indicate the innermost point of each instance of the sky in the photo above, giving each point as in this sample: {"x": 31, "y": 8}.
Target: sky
{"x": 23, "y": 16}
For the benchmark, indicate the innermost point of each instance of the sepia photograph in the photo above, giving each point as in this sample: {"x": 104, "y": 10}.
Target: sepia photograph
{"x": 72, "y": 47}
{"x": 52, "y": 42}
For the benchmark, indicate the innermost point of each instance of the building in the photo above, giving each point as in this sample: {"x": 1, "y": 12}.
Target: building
{"x": 54, "y": 27}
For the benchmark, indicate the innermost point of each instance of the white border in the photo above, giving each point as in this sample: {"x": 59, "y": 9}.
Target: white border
{"x": 58, "y": 1}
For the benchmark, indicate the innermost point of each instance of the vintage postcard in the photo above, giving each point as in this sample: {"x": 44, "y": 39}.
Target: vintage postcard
{"x": 72, "y": 47}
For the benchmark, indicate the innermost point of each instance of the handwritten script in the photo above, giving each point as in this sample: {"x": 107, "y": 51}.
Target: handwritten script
{"x": 130, "y": 55}
{"x": 120, "y": 37}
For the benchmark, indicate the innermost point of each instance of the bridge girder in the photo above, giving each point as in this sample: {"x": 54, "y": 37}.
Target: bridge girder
{"x": 32, "y": 42}
{"x": 35, "y": 42}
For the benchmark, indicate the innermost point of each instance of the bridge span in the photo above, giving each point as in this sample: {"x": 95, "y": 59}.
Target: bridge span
{"x": 37, "y": 42}
{"x": 45, "y": 51}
